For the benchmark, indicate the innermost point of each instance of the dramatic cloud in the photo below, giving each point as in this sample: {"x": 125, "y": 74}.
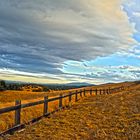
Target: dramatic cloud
{"x": 132, "y": 8}
{"x": 98, "y": 74}
{"x": 39, "y": 36}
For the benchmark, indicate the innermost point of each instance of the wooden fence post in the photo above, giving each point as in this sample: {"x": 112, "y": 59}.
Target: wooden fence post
{"x": 107, "y": 91}
{"x": 84, "y": 92}
{"x": 96, "y": 91}
{"x": 70, "y": 97}
{"x": 80, "y": 93}
{"x": 76, "y": 96}
{"x": 17, "y": 112}
{"x": 45, "y": 105}
{"x": 60, "y": 101}
{"x": 91, "y": 92}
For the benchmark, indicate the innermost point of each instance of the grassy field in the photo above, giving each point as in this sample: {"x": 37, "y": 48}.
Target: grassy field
{"x": 104, "y": 117}
{"x": 10, "y": 96}
{"x": 7, "y": 98}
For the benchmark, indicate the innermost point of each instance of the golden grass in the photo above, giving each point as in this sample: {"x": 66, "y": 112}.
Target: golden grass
{"x": 109, "y": 117}
{"x": 11, "y": 96}
{"x": 7, "y": 99}
{"x": 27, "y": 114}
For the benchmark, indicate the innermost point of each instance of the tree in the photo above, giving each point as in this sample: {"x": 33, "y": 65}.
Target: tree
{"x": 2, "y": 84}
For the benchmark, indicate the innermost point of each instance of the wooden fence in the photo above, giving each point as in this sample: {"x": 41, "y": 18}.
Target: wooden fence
{"x": 18, "y": 106}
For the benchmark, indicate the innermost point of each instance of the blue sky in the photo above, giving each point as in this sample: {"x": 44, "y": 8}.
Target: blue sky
{"x": 62, "y": 41}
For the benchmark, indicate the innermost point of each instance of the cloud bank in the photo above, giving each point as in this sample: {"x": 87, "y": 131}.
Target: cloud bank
{"x": 39, "y": 36}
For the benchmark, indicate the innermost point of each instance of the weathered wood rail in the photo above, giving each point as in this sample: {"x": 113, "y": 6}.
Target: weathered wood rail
{"x": 18, "y": 106}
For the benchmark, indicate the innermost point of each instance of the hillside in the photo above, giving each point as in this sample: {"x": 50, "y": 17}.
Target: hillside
{"x": 110, "y": 117}
{"x": 10, "y": 96}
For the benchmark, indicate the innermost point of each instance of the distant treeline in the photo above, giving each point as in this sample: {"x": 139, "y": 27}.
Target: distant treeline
{"x": 3, "y": 85}
{"x": 19, "y": 86}
{"x": 25, "y": 86}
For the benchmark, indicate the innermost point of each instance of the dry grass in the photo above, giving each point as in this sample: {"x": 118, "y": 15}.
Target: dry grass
{"x": 106, "y": 117}
{"x": 11, "y": 96}
{"x": 7, "y": 98}
{"x": 27, "y": 114}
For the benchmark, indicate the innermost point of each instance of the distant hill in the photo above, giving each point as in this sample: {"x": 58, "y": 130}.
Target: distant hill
{"x": 67, "y": 86}
{"x": 80, "y": 84}
{"x": 26, "y": 86}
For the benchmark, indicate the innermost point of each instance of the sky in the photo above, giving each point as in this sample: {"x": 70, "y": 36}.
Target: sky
{"x": 64, "y": 41}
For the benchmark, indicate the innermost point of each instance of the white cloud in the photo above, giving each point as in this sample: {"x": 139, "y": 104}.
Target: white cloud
{"x": 39, "y": 36}
{"x": 104, "y": 74}
{"x": 137, "y": 14}
{"x": 133, "y": 11}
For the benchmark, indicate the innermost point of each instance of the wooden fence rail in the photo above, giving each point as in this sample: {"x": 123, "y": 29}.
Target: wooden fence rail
{"x": 18, "y": 106}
